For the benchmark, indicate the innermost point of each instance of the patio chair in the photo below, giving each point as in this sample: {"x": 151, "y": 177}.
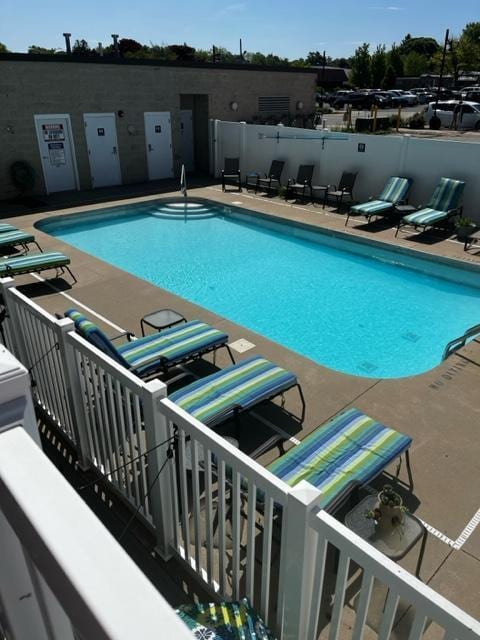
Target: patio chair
{"x": 344, "y": 188}
{"x": 302, "y": 182}
{"x": 394, "y": 193}
{"x": 343, "y": 454}
{"x": 224, "y": 621}
{"x": 271, "y": 180}
{"x": 4, "y": 226}
{"x": 17, "y": 238}
{"x": 36, "y": 262}
{"x": 238, "y": 388}
{"x": 443, "y": 205}
{"x": 231, "y": 173}
{"x": 155, "y": 353}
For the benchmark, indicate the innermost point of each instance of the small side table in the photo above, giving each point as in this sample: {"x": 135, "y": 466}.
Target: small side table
{"x": 161, "y": 319}
{"x": 321, "y": 187}
{"x": 396, "y": 545}
{"x": 404, "y": 209}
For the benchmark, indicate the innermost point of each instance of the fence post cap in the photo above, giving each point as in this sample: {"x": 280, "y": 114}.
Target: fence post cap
{"x": 306, "y": 493}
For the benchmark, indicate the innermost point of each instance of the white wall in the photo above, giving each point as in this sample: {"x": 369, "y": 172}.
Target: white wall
{"x": 423, "y": 159}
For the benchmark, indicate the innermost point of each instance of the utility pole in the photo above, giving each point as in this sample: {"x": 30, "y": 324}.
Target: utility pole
{"x": 68, "y": 47}
{"x": 435, "y": 122}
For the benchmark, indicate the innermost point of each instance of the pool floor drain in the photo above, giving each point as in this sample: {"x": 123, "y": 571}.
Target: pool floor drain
{"x": 368, "y": 367}
{"x": 242, "y": 345}
{"x": 411, "y": 337}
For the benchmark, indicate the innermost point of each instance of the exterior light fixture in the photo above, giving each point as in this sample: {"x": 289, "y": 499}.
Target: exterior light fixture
{"x": 299, "y": 105}
{"x": 234, "y": 106}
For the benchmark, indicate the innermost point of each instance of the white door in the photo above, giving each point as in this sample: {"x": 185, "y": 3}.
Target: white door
{"x": 102, "y": 144}
{"x": 186, "y": 127}
{"x": 55, "y": 143}
{"x": 158, "y": 139}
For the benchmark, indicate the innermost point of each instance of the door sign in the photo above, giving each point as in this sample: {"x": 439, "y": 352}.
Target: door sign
{"x": 56, "y": 152}
{"x": 101, "y": 131}
{"x": 53, "y": 132}
{"x": 158, "y": 128}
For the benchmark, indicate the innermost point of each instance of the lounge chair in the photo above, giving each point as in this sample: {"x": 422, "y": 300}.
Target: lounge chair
{"x": 231, "y": 173}
{"x": 394, "y": 193}
{"x": 156, "y": 353}
{"x": 238, "y": 388}
{"x": 302, "y": 182}
{"x": 4, "y": 226}
{"x": 344, "y": 188}
{"x": 17, "y": 238}
{"x": 35, "y": 262}
{"x": 443, "y": 205}
{"x": 345, "y": 453}
{"x": 271, "y": 181}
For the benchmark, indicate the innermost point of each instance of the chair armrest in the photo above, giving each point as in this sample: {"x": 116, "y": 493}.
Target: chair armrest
{"x": 125, "y": 334}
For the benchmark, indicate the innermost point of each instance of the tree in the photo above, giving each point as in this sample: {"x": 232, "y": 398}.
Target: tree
{"x": 344, "y": 63}
{"x": 389, "y": 79}
{"x": 422, "y": 46}
{"x": 3, "y": 48}
{"x": 468, "y": 47}
{"x": 414, "y": 64}
{"x": 395, "y": 60}
{"x": 315, "y": 59}
{"x": 36, "y": 49}
{"x": 129, "y": 46}
{"x": 378, "y": 65}
{"x": 361, "y": 76}
{"x": 81, "y": 48}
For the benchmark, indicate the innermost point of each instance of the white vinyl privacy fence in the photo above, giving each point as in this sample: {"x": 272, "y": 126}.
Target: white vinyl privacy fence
{"x": 375, "y": 158}
{"x": 238, "y": 528}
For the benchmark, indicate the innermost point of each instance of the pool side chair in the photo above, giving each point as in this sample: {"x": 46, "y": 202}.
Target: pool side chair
{"x": 35, "y": 262}
{"x": 231, "y": 173}
{"x": 343, "y": 190}
{"x": 343, "y": 454}
{"x": 225, "y": 394}
{"x": 443, "y": 205}
{"x": 155, "y": 353}
{"x": 301, "y": 183}
{"x": 17, "y": 238}
{"x": 4, "y": 227}
{"x": 395, "y": 192}
{"x": 271, "y": 181}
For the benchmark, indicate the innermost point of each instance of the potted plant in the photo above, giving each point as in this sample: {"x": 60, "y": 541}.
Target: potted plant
{"x": 389, "y": 511}
{"x": 464, "y": 227}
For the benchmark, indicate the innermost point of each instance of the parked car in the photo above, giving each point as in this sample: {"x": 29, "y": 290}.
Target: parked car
{"x": 423, "y": 95}
{"x": 358, "y": 100}
{"x": 473, "y": 94}
{"x": 466, "y": 113}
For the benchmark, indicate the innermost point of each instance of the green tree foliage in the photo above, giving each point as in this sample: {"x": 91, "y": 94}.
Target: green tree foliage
{"x": 128, "y": 46}
{"x": 378, "y": 65}
{"x": 315, "y": 59}
{"x": 389, "y": 79}
{"x": 81, "y": 48}
{"x": 395, "y": 60}
{"x": 36, "y": 49}
{"x": 3, "y": 48}
{"x": 468, "y": 47}
{"x": 361, "y": 76}
{"x": 422, "y": 46}
{"x": 414, "y": 64}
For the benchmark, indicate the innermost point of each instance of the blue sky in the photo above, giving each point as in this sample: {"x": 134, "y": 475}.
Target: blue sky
{"x": 289, "y": 28}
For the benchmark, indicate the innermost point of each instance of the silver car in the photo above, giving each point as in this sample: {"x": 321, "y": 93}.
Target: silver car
{"x": 467, "y": 114}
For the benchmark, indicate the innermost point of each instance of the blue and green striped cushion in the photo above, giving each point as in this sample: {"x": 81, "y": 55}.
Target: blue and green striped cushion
{"x": 395, "y": 190}
{"x": 447, "y": 195}
{"x": 240, "y": 386}
{"x": 425, "y": 217}
{"x": 348, "y": 451}
{"x": 372, "y": 207}
{"x": 11, "y": 238}
{"x": 160, "y": 349}
{"x": 33, "y": 262}
{"x": 4, "y": 227}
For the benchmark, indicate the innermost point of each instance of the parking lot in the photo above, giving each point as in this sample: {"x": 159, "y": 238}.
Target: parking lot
{"x": 336, "y": 119}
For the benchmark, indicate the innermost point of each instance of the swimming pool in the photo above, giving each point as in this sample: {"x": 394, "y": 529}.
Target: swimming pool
{"x": 352, "y": 305}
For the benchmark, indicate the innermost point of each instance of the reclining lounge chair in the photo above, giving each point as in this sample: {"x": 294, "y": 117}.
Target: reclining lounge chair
{"x": 345, "y": 453}
{"x": 4, "y": 226}
{"x": 158, "y": 352}
{"x": 17, "y": 238}
{"x": 443, "y": 204}
{"x": 302, "y": 182}
{"x": 394, "y": 193}
{"x": 271, "y": 181}
{"x": 228, "y": 392}
{"x": 36, "y": 262}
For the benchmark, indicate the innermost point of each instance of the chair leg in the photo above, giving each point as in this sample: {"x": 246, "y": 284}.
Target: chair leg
{"x": 230, "y": 353}
{"x": 398, "y": 229}
{"x": 409, "y": 469}
{"x": 70, "y": 272}
{"x": 302, "y": 398}
{"x": 348, "y": 216}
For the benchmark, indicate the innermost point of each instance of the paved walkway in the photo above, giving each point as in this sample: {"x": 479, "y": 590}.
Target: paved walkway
{"x": 439, "y": 409}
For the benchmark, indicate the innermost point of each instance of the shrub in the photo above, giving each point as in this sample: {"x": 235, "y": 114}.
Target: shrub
{"x": 417, "y": 121}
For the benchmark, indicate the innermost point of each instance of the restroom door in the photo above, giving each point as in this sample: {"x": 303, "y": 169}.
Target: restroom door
{"x": 186, "y": 126}
{"x": 158, "y": 140}
{"x": 102, "y": 145}
{"x": 55, "y": 143}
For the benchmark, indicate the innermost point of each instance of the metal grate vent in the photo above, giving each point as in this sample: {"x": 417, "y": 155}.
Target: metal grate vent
{"x": 274, "y": 104}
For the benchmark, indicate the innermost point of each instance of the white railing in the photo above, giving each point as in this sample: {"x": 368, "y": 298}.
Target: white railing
{"x": 230, "y": 521}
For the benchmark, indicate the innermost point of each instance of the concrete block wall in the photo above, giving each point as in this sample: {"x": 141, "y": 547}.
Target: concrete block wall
{"x": 65, "y": 87}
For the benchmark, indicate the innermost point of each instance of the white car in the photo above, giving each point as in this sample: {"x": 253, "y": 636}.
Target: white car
{"x": 467, "y": 113}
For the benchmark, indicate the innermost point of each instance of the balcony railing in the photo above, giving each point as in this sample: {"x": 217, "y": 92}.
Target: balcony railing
{"x": 237, "y": 527}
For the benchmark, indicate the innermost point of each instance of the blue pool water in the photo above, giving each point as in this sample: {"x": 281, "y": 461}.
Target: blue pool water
{"x": 371, "y": 316}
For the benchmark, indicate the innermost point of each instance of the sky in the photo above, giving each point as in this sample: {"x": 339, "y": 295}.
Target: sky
{"x": 289, "y": 28}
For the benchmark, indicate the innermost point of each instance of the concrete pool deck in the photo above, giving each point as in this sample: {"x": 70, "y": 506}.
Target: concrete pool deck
{"x": 439, "y": 409}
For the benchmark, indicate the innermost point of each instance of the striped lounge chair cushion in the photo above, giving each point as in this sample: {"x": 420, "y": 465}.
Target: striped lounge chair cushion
{"x": 348, "y": 451}
{"x": 10, "y": 238}
{"x": 33, "y": 262}
{"x": 447, "y": 195}
{"x": 425, "y": 217}
{"x": 372, "y": 207}
{"x": 151, "y": 352}
{"x": 240, "y": 386}
{"x": 394, "y": 191}
{"x": 4, "y": 227}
